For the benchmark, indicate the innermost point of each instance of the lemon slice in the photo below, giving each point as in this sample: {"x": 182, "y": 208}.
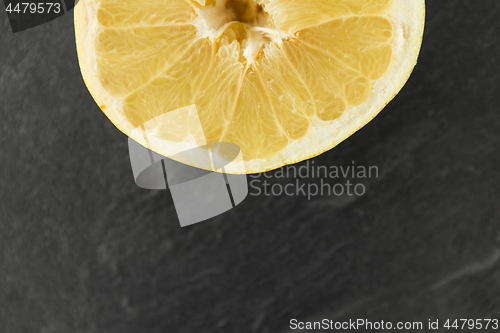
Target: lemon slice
{"x": 285, "y": 80}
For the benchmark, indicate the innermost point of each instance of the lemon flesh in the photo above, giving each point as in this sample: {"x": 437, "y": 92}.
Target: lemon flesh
{"x": 285, "y": 80}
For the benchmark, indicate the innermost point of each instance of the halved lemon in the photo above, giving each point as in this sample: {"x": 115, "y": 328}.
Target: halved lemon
{"x": 285, "y": 80}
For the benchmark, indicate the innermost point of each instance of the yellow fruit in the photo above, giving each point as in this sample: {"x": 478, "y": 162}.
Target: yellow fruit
{"x": 285, "y": 80}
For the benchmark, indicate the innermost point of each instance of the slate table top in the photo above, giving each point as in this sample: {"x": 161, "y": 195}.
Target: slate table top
{"x": 83, "y": 249}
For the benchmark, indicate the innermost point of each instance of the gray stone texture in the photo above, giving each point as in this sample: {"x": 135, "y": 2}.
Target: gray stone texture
{"x": 83, "y": 249}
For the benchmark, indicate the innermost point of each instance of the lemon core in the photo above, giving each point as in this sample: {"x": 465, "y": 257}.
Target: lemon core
{"x": 246, "y": 20}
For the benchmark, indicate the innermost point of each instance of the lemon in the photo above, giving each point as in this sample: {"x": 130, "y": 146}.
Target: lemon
{"x": 285, "y": 80}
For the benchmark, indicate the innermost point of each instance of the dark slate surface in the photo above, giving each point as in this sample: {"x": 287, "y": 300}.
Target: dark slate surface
{"x": 83, "y": 249}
